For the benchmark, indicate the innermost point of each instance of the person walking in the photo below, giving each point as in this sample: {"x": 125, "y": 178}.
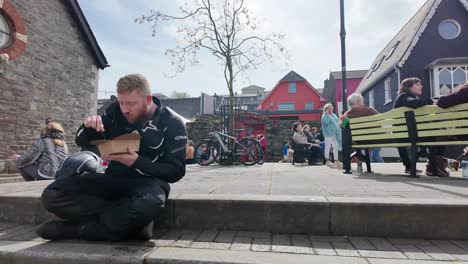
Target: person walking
{"x": 332, "y": 133}
{"x": 46, "y": 155}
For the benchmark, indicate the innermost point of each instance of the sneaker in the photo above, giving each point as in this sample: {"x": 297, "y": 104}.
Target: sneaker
{"x": 454, "y": 165}
{"x": 146, "y": 233}
{"x": 408, "y": 171}
{"x": 58, "y": 230}
{"x": 331, "y": 165}
{"x": 440, "y": 164}
{"x": 339, "y": 164}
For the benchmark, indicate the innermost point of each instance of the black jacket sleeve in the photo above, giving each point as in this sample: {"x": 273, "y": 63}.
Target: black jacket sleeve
{"x": 170, "y": 167}
{"x": 84, "y": 135}
{"x": 411, "y": 101}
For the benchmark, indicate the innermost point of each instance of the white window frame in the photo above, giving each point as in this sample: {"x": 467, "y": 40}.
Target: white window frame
{"x": 435, "y": 87}
{"x": 289, "y": 88}
{"x": 371, "y": 98}
{"x": 388, "y": 90}
{"x": 294, "y": 106}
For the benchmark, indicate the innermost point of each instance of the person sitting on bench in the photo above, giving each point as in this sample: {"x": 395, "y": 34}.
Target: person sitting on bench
{"x": 300, "y": 138}
{"x": 437, "y": 154}
{"x": 122, "y": 202}
{"x": 410, "y": 95}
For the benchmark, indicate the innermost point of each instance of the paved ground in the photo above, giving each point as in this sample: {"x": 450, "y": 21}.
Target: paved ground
{"x": 206, "y": 242}
{"x": 285, "y": 179}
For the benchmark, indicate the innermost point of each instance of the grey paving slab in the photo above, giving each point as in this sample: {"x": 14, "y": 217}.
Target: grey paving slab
{"x": 382, "y": 254}
{"x": 361, "y": 243}
{"x": 437, "y": 253}
{"x": 323, "y": 248}
{"x": 261, "y": 244}
{"x": 285, "y": 179}
{"x": 413, "y": 252}
{"x": 345, "y": 249}
{"x": 178, "y": 256}
{"x": 242, "y": 243}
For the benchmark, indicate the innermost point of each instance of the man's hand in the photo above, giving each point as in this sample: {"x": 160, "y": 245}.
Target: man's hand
{"x": 126, "y": 159}
{"x": 94, "y": 122}
{"x": 317, "y": 141}
{"x": 14, "y": 156}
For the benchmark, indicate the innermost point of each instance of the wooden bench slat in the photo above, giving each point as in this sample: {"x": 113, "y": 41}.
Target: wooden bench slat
{"x": 386, "y": 145}
{"x": 368, "y": 131}
{"x": 445, "y": 124}
{"x": 443, "y": 132}
{"x": 400, "y": 113}
{"x": 382, "y": 136}
{"x": 376, "y": 124}
{"x": 395, "y": 113}
{"x": 434, "y": 109}
{"x": 442, "y": 116}
{"x": 444, "y": 143}
{"x": 397, "y": 145}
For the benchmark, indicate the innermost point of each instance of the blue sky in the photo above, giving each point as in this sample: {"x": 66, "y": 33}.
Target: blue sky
{"x": 312, "y": 39}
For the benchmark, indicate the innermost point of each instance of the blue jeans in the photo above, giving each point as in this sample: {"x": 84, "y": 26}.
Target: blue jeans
{"x": 375, "y": 155}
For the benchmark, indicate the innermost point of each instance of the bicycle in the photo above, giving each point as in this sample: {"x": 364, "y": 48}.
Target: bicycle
{"x": 245, "y": 151}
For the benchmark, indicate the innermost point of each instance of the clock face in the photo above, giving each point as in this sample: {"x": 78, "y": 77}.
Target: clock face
{"x": 5, "y": 32}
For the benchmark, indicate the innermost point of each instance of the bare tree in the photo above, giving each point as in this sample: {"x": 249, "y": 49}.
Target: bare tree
{"x": 224, "y": 28}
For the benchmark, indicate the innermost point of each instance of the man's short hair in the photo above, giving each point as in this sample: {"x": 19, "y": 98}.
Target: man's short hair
{"x": 133, "y": 82}
{"x": 355, "y": 98}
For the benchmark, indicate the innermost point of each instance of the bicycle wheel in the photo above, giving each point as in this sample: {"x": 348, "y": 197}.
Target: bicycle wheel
{"x": 206, "y": 152}
{"x": 247, "y": 152}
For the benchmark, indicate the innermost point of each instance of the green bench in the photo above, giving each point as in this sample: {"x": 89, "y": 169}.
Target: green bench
{"x": 406, "y": 127}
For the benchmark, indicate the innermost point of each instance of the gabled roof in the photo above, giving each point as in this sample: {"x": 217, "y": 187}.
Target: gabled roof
{"x": 337, "y": 75}
{"x": 88, "y": 34}
{"x": 398, "y": 50}
{"x": 292, "y": 76}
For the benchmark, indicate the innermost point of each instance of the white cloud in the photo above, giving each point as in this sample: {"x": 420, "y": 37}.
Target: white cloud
{"x": 312, "y": 37}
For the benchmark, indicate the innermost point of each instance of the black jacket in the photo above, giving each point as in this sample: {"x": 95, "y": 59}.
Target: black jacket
{"x": 162, "y": 146}
{"x": 411, "y": 101}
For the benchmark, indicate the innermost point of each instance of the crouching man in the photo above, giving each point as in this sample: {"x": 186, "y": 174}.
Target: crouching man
{"x": 122, "y": 201}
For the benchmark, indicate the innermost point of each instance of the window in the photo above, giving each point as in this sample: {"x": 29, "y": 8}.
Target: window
{"x": 371, "y": 98}
{"x": 390, "y": 53}
{"x": 5, "y": 32}
{"x": 449, "y": 29}
{"x": 309, "y": 106}
{"x": 449, "y": 78}
{"x": 287, "y": 106}
{"x": 292, "y": 87}
{"x": 388, "y": 90}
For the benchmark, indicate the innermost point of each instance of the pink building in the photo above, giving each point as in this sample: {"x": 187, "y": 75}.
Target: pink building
{"x": 333, "y": 86}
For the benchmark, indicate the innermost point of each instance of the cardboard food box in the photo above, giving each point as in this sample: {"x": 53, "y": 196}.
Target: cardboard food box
{"x": 118, "y": 145}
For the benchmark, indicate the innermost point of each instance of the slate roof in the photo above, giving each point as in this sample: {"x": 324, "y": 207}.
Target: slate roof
{"x": 394, "y": 53}
{"x": 349, "y": 74}
{"x": 88, "y": 34}
{"x": 292, "y": 76}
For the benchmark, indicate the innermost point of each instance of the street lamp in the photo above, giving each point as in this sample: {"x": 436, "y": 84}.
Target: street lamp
{"x": 343, "y": 55}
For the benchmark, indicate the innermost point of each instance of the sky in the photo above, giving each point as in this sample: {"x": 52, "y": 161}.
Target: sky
{"x": 311, "y": 29}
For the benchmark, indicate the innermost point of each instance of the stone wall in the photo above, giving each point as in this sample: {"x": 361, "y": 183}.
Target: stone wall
{"x": 56, "y": 77}
{"x": 278, "y": 132}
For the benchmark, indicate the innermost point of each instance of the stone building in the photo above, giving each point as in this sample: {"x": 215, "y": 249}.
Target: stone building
{"x": 49, "y": 66}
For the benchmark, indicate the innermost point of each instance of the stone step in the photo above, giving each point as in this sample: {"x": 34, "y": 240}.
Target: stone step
{"x": 11, "y": 178}
{"x": 386, "y": 217}
{"x": 19, "y": 244}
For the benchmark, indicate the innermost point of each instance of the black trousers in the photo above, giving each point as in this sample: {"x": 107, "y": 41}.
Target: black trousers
{"x": 107, "y": 208}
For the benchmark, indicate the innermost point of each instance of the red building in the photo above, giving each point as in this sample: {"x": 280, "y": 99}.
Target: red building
{"x": 293, "y": 98}
{"x": 333, "y": 90}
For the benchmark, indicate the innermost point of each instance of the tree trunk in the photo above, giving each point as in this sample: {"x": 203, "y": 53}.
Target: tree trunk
{"x": 232, "y": 118}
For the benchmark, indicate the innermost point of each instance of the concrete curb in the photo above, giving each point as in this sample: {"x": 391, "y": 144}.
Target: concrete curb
{"x": 384, "y": 217}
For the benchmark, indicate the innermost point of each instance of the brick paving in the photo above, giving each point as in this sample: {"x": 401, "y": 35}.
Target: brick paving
{"x": 358, "y": 247}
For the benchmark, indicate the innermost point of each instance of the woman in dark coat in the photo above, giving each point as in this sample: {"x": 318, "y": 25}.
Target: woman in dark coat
{"x": 410, "y": 95}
